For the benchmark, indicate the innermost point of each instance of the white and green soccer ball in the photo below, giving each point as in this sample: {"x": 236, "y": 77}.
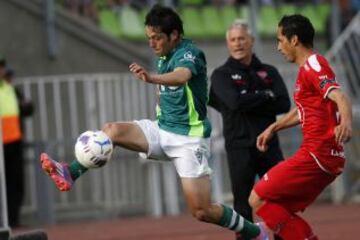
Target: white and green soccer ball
{"x": 93, "y": 149}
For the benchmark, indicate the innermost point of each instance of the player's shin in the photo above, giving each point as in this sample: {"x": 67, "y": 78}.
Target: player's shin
{"x": 234, "y": 221}
{"x": 287, "y": 225}
{"x": 76, "y": 170}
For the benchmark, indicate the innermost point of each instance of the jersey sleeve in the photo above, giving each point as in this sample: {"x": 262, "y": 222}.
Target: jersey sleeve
{"x": 187, "y": 59}
{"x": 320, "y": 75}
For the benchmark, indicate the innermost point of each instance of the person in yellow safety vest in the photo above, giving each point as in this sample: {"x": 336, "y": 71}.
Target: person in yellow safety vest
{"x": 26, "y": 106}
{"x": 12, "y": 140}
{"x": 9, "y": 112}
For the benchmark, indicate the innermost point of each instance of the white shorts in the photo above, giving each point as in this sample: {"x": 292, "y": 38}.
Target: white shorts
{"x": 189, "y": 154}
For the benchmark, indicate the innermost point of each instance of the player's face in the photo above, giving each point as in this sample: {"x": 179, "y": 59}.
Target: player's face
{"x": 285, "y": 46}
{"x": 240, "y": 43}
{"x": 159, "y": 42}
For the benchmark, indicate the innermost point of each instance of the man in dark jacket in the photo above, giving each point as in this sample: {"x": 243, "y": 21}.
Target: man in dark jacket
{"x": 248, "y": 94}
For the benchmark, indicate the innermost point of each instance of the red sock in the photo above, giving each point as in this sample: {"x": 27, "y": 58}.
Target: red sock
{"x": 274, "y": 215}
{"x": 285, "y": 224}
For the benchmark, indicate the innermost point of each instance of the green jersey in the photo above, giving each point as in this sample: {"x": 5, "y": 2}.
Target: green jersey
{"x": 182, "y": 109}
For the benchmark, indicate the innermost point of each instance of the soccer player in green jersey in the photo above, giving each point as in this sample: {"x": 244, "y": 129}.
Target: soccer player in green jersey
{"x": 182, "y": 130}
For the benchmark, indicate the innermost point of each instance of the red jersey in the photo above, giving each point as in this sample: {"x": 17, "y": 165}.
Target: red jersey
{"x": 318, "y": 115}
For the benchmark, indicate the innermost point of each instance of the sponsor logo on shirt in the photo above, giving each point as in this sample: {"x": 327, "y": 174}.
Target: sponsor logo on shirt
{"x": 188, "y": 56}
{"x": 170, "y": 90}
{"x": 336, "y": 153}
{"x": 236, "y": 77}
{"x": 173, "y": 88}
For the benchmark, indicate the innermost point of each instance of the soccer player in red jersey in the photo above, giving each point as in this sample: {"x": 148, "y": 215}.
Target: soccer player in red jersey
{"x": 325, "y": 116}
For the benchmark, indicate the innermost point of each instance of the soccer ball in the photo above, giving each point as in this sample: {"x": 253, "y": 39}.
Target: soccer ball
{"x": 93, "y": 149}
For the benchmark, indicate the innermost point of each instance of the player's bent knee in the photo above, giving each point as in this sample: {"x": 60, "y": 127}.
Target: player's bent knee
{"x": 107, "y": 128}
{"x": 255, "y": 201}
{"x": 113, "y": 130}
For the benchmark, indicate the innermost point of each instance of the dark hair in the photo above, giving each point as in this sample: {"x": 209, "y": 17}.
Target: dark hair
{"x": 164, "y": 18}
{"x": 300, "y": 26}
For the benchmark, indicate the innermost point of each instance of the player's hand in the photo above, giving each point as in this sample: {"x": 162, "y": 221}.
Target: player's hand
{"x": 343, "y": 132}
{"x": 263, "y": 139}
{"x": 140, "y": 72}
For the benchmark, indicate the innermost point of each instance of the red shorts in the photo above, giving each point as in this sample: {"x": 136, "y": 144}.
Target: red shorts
{"x": 294, "y": 183}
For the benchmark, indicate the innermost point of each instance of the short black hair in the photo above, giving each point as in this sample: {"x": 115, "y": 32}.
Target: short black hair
{"x": 300, "y": 26}
{"x": 164, "y": 18}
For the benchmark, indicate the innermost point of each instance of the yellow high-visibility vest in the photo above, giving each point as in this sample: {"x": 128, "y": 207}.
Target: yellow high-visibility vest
{"x": 9, "y": 113}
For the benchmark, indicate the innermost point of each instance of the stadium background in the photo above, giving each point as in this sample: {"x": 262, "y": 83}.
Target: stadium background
{"x": 74, "y": 68}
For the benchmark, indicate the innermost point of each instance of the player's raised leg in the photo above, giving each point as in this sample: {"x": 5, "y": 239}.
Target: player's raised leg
{"x": 197, "y": 195}
{"x": 125, "y": 134}
{"x": 59, "y": 172}
{"x": 128, "y": 135}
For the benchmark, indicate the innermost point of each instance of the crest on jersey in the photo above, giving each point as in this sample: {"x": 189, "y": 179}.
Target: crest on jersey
{"x": 188, "y": 56}
{"x": 262, "y": 74}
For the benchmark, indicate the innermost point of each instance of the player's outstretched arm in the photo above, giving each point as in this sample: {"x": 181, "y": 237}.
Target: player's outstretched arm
{"x": 343, "y": 131}
{"x": 139, "y": 72}
{"x": 288, "y": 120}
{"x": 178, "y": 77}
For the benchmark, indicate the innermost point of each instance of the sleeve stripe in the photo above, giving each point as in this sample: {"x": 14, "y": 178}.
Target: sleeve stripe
{"x": 328, "y": 90}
